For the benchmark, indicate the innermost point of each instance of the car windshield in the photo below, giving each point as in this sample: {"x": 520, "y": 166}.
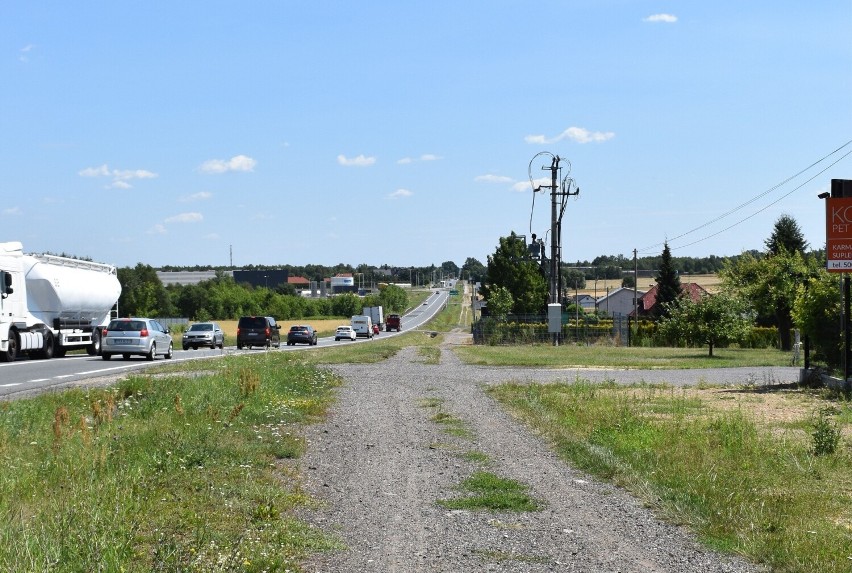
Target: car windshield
{"x": 253, "y": 322}
{"x": 298, "y": 329}
{"x": 201, "y": 327}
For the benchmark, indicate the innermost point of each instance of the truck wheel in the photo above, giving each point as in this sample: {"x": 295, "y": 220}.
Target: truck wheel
{"x": 11, "y": 349}
{"x": 95, "y": 347}
{"x": 47, "y": 350}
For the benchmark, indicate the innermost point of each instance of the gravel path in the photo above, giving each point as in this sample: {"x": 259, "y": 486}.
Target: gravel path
{"x": 378, "y": 465}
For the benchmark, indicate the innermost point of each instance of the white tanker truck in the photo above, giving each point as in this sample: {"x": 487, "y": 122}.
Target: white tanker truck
{"x": 50, "y": 304}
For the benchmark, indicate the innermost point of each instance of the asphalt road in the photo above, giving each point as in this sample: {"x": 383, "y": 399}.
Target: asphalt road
{"x": 25, "y": 376}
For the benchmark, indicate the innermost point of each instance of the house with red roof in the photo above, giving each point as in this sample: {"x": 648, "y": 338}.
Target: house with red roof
{"x": 647, "y": 302}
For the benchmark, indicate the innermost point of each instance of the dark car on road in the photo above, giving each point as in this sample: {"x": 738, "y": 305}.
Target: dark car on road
{"x": 302, "y": 333}
{"x": 258, "y": 331}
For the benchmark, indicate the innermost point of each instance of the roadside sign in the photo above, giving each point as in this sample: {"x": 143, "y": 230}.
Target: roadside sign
{"x": 838, "y": 234}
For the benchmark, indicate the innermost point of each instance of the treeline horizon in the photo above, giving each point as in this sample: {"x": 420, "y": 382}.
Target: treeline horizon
{"x": 603, "y": 266}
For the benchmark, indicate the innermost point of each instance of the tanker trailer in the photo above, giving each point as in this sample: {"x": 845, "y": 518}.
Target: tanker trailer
{"x": 52, "y": 304}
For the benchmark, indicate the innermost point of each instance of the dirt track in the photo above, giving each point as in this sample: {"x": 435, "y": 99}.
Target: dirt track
{"x": 379, "y": 465}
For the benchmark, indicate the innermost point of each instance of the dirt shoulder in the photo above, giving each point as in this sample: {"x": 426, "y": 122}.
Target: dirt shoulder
{"x": 379, "y": 464}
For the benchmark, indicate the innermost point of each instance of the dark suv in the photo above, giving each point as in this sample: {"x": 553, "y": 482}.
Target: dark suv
{"x": 302, "y": 333}
{"x": 258, "y": 331}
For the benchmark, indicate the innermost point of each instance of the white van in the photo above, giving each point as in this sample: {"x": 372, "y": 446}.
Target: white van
{"x": 363, "y": 326}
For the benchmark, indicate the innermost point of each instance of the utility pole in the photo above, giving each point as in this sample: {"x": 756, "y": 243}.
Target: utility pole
{"x": 635, "y": 286}
{"x": 559, "y": 192}
{"x": 554, "y": 236}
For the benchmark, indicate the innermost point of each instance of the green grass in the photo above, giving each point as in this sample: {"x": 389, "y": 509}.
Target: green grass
{"x": 487, "y": 491}
{"x": 567, "y": 356}
{"x": 452, "y": 425}
{"x": 163, "y": 472}
{"x": 743, "y": 489}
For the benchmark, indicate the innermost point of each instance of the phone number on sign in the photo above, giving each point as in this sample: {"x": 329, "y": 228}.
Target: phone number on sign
{"x": 839, "y": 265}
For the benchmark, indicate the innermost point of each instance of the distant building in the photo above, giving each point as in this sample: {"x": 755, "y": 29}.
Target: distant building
{"x": 342, "y": 282}
{"x": 585, "y": 301}
{"x": 262, "y": 279}
{"x": 618, "y": 302}
{"x": 299, "y": 282}
{"x": 648, "y": 301}
{"x": 188, "y": 277}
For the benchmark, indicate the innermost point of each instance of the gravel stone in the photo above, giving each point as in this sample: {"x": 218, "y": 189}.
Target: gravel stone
{"x": 378, "y": 466}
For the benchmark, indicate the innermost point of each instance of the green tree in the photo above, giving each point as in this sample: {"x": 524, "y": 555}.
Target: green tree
{"x": 142, "y": 292}
{"x": 346, "y": 304}
{"x": 510, "y": 267}
{"x": 394, "y": 299}
{"x": 817, "y": 311}
{"x": 786, "y": 236}
{"x": 474, "y": 269}
{"x": 712, "y": 320}
{"x": 771, "y": 284}
{"x": 450, "y": 269}
{"x": 573, "y": 279}
{"x": 668, "y": 284}
{"x": 500, "y": 303}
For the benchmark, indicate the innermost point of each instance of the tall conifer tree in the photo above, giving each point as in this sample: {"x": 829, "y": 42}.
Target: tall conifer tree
{"x": 668, "y": 284}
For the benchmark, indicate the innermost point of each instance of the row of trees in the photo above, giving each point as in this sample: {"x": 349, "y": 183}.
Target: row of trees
{"x": 785, "y": 287}
{"x": 143, "y": 294}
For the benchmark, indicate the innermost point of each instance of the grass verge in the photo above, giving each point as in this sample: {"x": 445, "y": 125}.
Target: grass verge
{"x": 165, "y": 472}
{"x": 569, "y": 356}
{"x": 744, "y": 484}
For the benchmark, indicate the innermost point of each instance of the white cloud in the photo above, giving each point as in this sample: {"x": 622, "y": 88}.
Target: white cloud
{"x": 236, "y": 163}
{"x": 524, "y": 186}
{"x": 578, "y": 134}
{"x": 157, "y": 230}
{"x": 101, "y": 171}
{"x": 24, "y": 57}
{"x": 185, "y": 218}
{"x": 489, "y": 178}
{"x": 200, "y": 196}
{"x": 665, "y": 18}
{"x": 120, "y": 177}
{"x": 360, "y": 161}
{"x": 400, "y": 193}
{"x": 424, "y": 157}
{"x": 12, "y": 211}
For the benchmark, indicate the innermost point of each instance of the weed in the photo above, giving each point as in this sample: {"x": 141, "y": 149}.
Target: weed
{"x": 493, "y": 493}
{"x": 826, "y": 434}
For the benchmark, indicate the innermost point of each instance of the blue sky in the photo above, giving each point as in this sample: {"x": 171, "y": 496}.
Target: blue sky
{"x": 177, "y": 133}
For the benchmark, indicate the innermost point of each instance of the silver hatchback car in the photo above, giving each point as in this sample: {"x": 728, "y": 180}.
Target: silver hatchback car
{"x": 135, "y": 336}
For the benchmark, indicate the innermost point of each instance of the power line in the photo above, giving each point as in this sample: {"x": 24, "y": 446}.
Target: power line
{"x": 646, "y": 250}
{"x": 769, "y": 205}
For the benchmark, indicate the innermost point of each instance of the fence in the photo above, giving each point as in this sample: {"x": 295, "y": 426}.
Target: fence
{"x": 530, "y": 329}
{"x": 616, "y": 331}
